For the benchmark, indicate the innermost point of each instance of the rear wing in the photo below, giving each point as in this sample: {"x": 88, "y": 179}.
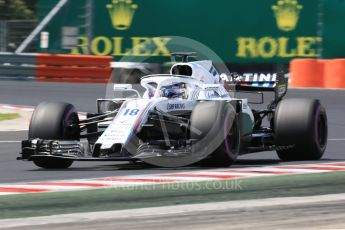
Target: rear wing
{"x": 278, "y": 84}
{"x": 281, "y": 86}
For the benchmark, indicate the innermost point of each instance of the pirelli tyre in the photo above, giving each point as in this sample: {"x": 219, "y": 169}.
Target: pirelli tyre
{"x": 215, "y": 131}
{"x": 300, "y": 129}
{"x": 50, "y": 121}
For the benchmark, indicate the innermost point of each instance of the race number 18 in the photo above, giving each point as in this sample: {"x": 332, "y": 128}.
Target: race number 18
{"x": 131, "y": 112}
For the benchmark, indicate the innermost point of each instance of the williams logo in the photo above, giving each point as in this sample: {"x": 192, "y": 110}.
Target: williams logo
{"x": 286, "y": 13}
{"x": 175, "y": 106}
{"x": 121, "y": 13}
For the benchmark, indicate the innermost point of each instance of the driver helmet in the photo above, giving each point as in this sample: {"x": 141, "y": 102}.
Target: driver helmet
{"x": 177, "y": 90}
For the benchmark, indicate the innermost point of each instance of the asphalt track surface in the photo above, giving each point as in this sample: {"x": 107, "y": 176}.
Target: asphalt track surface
{"x": 84, "y": 96}
{"x": 324, "y": 215}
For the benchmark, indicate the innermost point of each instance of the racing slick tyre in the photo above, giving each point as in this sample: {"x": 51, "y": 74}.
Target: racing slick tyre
{"x": 215, "y": 127}
{"x": 300, "y": 129}
{"x": 50, "y": 121}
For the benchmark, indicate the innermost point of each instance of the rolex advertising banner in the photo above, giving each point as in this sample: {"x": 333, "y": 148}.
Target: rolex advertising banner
{"x": 246, "y": 31}
{"x": 333, "y": 29}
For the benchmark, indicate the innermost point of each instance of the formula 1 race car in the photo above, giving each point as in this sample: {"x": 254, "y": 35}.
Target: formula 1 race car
{"x": 187, "y": 117}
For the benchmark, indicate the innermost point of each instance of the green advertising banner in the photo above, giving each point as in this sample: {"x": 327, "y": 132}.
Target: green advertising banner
{"x": 246, "y": 31}
{"x": 333, "y": 29}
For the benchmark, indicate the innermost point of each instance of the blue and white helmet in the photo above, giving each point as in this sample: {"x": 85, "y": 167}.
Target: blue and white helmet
{"x": 176, "y": 90}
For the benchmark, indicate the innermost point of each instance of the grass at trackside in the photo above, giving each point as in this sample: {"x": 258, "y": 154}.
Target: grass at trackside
{"x": 8, "y": 116}
{"x": 159, "y": 195}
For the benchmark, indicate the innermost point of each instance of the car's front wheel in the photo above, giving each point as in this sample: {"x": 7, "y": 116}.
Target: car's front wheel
{"x": 215, "y": 129}
{"x": 52, "y": 121}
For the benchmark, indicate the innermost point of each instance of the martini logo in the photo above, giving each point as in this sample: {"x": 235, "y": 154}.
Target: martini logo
{"x": 286, "y": 13}
{"x": 121, "y": 13}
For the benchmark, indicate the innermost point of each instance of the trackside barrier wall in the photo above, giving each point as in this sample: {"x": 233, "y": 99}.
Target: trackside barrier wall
{"x": 317, "y": 73}
{"x": 17, "y": 67}
{"x": 334, "y": 74}
{"x": 73, "y": 68}
{"x": 56, "y": 67}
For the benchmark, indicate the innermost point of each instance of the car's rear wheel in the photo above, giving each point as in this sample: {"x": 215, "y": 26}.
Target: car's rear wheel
{"x": 300, "y": 129}
{"x": 52, "y": 121}
{"x": 215, "y": 127}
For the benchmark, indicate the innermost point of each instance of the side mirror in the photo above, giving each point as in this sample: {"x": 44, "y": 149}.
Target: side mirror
{"x": 122, "y": 87}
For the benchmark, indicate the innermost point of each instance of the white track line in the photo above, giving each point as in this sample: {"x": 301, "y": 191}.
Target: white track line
{"x": 17, "y": 130}
{"x": 10, "y": 141}
{"x": 8, "y": 193}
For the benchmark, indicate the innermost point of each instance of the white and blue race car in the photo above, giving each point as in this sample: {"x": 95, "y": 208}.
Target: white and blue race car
{"x": 182, "y": 118}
